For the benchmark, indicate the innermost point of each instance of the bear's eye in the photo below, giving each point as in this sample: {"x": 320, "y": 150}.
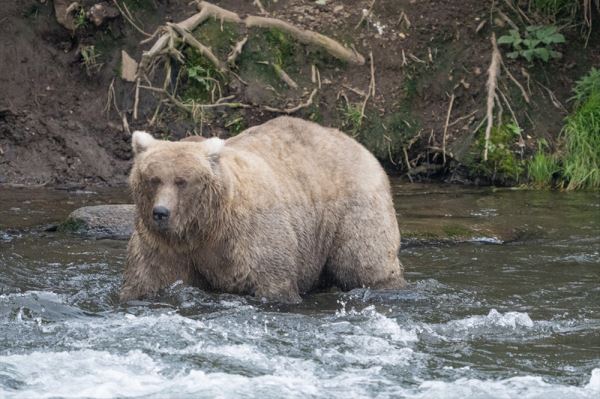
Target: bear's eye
{"x": 180, "y": 182}
{"x": 155, "y": 181}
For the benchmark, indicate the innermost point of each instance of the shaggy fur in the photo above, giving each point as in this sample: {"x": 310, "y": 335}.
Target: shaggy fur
{"x": 279, "y": 210}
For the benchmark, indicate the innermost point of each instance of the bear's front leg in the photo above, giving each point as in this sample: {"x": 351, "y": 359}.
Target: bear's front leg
{"x": 150, "y": 268}
{"x": 287, "y": 293}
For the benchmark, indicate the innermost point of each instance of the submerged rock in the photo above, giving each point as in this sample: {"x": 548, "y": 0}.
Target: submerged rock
{"x": 101, "y": 221}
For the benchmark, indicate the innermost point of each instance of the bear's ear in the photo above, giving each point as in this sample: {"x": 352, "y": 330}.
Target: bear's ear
{"x": 141, "y": 141}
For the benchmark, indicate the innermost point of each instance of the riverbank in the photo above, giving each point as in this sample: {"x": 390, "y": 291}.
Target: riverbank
{"x": 62, "y": 116}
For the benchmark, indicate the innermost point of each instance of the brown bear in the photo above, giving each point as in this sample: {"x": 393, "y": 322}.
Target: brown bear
{"x": 275, "y": 212}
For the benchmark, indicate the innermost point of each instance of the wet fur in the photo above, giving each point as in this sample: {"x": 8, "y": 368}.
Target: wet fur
{"x": 281, "y": 209}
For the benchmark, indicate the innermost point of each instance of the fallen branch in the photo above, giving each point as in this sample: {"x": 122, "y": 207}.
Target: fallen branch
{"x": 493, "y": 72}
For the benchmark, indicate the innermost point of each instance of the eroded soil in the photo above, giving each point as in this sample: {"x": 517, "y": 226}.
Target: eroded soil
{"x": 59, "y": 126}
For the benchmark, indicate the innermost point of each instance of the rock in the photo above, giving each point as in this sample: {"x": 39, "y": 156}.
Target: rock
{"x": 128, "y": 67}
{"x": 101, "y": 221}
{"x": 101, "y": 12}
{"x": 62, "y": 10}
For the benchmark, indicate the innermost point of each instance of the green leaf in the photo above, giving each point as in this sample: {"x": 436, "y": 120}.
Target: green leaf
{"x": 543, "y": 53}
{"x": 554, "y": 38}
{"x": 506, "y": 39}
{"x": 528, "y": 54}
{"x": 531, "y": 43}
{"x": 513, "y": 54}
{"x": 556, "y": 54}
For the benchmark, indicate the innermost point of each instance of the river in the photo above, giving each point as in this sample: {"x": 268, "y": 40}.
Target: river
{"x": 486, "y": 317}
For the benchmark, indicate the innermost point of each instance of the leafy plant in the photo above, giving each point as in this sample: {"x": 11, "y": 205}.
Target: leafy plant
{"x": 504, "y": 164}
{"x": 204, "y": 81}
{"x": 537, "y": 43}
{"x": 352, "y": 118}
{"x": 200, "y": 75}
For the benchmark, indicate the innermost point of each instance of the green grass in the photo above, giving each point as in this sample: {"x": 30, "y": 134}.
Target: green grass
{"x": 80, "y": 20}
{"x": 555, "y": 8}
{"x": 577, "y": 165}
{"x": 351, "y": 118}
{"x": 581, "y": 168}
{"x": 543, "y": 167}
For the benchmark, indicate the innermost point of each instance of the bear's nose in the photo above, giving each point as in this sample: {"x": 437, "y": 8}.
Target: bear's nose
{"x": 160, "y": 213}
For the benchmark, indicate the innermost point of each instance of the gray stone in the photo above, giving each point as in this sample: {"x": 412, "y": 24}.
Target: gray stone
{"x": 101, "y": 221}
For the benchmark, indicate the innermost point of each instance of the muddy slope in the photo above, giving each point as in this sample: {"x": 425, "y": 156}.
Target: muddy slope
{"x": 56, "y": 127}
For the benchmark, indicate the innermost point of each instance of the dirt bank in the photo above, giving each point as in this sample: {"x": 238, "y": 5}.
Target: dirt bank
{"x": 59, "y": 125}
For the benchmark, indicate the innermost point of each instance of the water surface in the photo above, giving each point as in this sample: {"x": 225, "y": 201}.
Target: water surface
{"x": 478, "y": 319}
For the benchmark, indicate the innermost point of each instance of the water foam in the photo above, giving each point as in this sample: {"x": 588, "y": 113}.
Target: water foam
{"x": 522, "y": 387}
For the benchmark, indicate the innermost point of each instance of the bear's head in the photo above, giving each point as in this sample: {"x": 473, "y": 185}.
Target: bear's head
{"x": 178, "y": 187}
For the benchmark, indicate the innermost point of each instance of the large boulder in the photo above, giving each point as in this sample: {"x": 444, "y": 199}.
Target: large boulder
{"x": 101, "y": 221}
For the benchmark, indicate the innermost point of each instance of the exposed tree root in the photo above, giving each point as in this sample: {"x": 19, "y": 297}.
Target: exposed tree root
{"x": 282, "y": 74}
{"x": 446, "y": 127}
{"x": 295, "y": 109}
{"x": 236, "y": 51}
{"x": 308, "y": 37}
{"x": 168, "y": 47}
{"x": 202, "y": 49}
{"x": 492, "y": 83}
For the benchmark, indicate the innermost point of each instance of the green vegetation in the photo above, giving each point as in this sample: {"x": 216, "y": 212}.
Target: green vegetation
{"x": 577, "y": 163}
{"x": 80, "y": 19}
{"x": 582, "y": 135}
{"x": 203, "y": 82}
{"x": 235, "y": 124}
{"x": 351, "y": 114}
{"x": 71, "y": 226}
{"x": 543, "y": 167}
{"x": 90, "y": 59}
{"x": 283, "y": 47}
{"x": 219, "y": 37}
{"x": 456, "y": 231}
{"x": 504, "y": 164}
{"x": 537, "y": 43}
{"x": 555, "y": 8}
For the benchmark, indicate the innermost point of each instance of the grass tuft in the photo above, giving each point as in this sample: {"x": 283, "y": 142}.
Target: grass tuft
{"x": 582, "y": 136}
{"x": 543, "y": 167}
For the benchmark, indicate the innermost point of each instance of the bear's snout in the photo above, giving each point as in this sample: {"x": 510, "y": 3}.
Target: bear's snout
{"x": 160, "y": 213}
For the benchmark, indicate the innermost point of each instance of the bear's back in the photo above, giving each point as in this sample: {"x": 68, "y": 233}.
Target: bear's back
{"x": 312, "y": 155}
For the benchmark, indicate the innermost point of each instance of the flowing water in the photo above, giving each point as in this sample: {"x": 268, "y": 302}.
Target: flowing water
{"x": 478, "y": 319}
